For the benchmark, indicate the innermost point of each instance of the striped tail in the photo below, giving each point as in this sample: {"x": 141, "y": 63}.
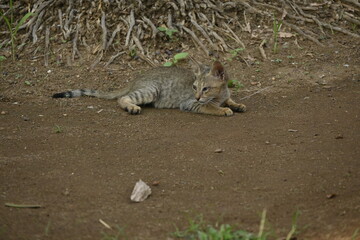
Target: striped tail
{"x": 76, "y": 93}
{"x": 90, "y": 93}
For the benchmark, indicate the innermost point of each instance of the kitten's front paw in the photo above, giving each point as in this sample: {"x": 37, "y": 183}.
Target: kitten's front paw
{"x": 239, "y": 107}
{"x": 133, "y": 110}
{"x": 227, "y": 112}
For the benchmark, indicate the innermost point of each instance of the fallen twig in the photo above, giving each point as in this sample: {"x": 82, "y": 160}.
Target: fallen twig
{"x": 105, "y": 224}
{"x": 257, "y": 92}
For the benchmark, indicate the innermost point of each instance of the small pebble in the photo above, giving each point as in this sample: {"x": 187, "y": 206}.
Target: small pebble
{"x": 66, "y": 192}
{"x": 219, "y": 150}
{"x": 339, "y": 136}
{"x": 25, "y": 118}
{"x": 330, "y": 196}
{"x": 4, "y": 112}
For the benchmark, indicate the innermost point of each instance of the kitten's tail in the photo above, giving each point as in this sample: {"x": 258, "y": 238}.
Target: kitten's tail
{"x": 91, "y": 93}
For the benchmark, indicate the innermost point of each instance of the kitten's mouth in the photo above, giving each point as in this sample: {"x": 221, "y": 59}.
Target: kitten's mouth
{"x": 205, "y": 101}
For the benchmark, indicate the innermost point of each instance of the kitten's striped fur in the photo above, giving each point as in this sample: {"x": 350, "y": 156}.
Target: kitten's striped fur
{"x": 172, "y": 87}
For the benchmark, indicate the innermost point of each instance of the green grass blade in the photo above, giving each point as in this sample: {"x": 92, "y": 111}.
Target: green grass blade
{"x": 294, "y": 225}
{"x": 47, "y": 228}
{"x": 355, "y": 235}
{"x": 8, "y": 24}
{"x": 22, "y": 21}
{"x": 262, "y": 224}
{"x": 12, "y": 11}
{"x": 22, "y": 205}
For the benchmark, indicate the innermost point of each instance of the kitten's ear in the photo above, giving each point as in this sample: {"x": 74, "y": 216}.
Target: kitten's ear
{"x": 218, "y": 71}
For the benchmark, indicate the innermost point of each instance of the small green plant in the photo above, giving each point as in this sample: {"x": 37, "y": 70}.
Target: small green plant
{"x": 28, "y": 83}
{"x": 233, "y": 83}
{"x": 132, "y": 52}
{"x": 58, "y": 129}
{"x": 176, "y": 59}
{"x": 353, "y": 26}
{"x": 18, "y": 76}
{"x": 198, "y": 230}
{"x": 13, "y": 27}
{"x": 293, "y": 225}
{"x": 2, "y": 231}
{"x": 277, "y": 60}
{"x": 168, "y": 31}
{"x": 119, "y": 234}
{"x": 2, "y": 58}
{"x": 234, "y": 53}
{"x": 276, "y": 29}
{"x": 355, "y": 235}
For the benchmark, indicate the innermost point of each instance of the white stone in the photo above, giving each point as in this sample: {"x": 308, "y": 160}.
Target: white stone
{"x": 141, "y": 192}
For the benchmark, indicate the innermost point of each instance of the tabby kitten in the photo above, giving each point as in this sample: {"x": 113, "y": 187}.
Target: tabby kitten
{"x": 172, "y": 87}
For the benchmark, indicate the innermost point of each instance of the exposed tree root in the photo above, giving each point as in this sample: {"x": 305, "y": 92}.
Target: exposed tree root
{"x": 101, "y": 27}
{"x": 261, "y": 49}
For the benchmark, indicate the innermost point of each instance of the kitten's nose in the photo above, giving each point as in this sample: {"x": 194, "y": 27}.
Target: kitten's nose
{"x": 197, "y": 97}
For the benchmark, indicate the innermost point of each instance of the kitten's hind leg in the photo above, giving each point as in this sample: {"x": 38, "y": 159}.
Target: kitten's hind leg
{"x": 128, "y": 105}
{"x": 131, "y": 101}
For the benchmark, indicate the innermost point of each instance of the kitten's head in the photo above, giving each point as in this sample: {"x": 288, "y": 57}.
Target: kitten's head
{"x": 211, "y": 83}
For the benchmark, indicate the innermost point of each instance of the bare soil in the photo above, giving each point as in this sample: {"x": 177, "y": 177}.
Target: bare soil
{"x": 296, "y": 148}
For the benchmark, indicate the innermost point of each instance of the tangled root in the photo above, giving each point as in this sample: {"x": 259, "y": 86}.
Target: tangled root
{"x": 121, "y": 26}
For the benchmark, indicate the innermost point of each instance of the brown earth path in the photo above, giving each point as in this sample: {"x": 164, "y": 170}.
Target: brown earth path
{"x": 297, "y": 148}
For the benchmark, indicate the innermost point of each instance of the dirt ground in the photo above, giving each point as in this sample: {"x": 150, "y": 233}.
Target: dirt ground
{"x": 296, "y": 148}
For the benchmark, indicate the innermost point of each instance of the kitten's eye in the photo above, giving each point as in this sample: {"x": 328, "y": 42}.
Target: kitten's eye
{"x": 205, "y": 89}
